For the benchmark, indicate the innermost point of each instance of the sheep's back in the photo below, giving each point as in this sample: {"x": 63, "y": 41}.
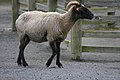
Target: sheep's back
{"x": 37, "y": 24}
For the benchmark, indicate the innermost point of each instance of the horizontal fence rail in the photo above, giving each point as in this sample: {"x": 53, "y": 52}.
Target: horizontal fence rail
{"x": 101, "y": 49}
{"x": 105, "y": 18}
{"x": 24, "y": 2}
{"x": 102, "y": 3}
{"x": 101, "y": 34}
{"x": 45, "y": 8}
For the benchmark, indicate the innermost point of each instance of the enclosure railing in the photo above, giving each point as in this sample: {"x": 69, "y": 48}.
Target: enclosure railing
{"x": 106, "y": 14}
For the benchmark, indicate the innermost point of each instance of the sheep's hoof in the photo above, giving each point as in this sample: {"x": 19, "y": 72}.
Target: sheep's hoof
{"x": 25, "y": 64}
{"x": 19, "y": 63}
{"x": 47, "y": 64}
{"x": 59, "y": 65}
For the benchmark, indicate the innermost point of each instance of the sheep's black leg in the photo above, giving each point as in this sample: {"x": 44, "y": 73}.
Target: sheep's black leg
{"x": 52, "y": 45}
{"x": 58, "y": 55}
{"x": 23, "y": 43}
{"x": 19, "y": 60}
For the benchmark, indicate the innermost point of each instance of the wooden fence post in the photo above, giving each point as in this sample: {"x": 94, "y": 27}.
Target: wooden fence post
{"x": 31, "y": 5}
{"x": 76, "y": 36}
{"x": 15, "y": 13}
{"x": 52, "y": 5}
{"x": 76, "y": 39}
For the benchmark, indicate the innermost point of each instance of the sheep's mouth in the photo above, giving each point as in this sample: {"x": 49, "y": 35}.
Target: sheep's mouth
{"x": 88, "y": 16}
{"x": 91, "y": 16}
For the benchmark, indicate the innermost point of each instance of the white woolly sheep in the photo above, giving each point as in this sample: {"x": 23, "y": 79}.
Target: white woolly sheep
{"x": 53, "y": 27}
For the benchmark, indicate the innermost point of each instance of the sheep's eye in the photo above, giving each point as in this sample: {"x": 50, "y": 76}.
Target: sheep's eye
{"x": 79, "y": 5}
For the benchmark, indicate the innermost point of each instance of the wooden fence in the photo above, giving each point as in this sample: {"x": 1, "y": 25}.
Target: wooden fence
{"x": 106, "y": 14}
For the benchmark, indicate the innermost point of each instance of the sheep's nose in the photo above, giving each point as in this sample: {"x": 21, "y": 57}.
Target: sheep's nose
{"x": 91, "y": 16}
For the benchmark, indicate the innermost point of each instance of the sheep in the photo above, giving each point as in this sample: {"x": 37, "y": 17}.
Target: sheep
{"x": 53, "y": 27}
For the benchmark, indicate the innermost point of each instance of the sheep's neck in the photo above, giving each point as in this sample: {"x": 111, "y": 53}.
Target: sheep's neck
{"x": 68, "y": 22}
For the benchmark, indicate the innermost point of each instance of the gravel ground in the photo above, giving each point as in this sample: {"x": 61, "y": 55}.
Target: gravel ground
{"x": 95, "y": 66}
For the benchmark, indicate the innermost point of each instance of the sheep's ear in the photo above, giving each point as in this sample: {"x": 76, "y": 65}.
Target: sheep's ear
{"x": 78, "y": 9}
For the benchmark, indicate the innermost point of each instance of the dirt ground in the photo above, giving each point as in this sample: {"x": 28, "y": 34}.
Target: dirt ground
{"x": 95, "y": 66}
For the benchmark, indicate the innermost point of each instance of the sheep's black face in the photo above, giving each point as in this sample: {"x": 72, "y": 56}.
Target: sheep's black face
{"x": 85, "y": 13}
{"x": 82, "y": 13}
